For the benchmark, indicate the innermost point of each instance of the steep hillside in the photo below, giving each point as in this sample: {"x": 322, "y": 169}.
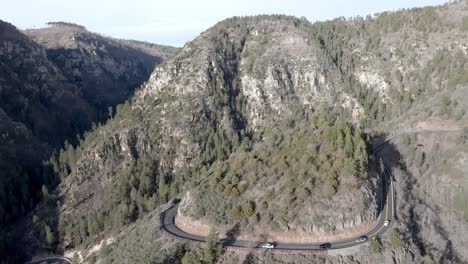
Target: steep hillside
{"x": 206, "y": 106}
{"x": 106, "y": 70}
{"x": 266, "y": 123}
{"x": 53, "y": 86}
{"x": 432, "y": 187}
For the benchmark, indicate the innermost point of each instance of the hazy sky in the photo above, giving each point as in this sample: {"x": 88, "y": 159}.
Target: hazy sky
{"x": 174, "y": 22}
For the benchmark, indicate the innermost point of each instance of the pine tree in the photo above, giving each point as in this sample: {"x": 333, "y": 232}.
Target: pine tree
{"x": 213, "y": 248}
{"x": 93, "y": 226}
{"x": 348, "y": 145}
{"x": 339, "y": 140}
{"x": 83, "y": 229}
{"x": 163, "y": 189}
{"x": 45, "y": 193}
{"x": 76, "y": 258}
{"x": 381, "y": 167}
{"x": 50, "y": 237}
{"x": 249, "y": 259}
{"x": 105, "y": 250}
{"x": 248, "y": 209}
{"x": 189, "y": 258}
{"x": 360, "y": 156}
{"x": 235, "y": 213}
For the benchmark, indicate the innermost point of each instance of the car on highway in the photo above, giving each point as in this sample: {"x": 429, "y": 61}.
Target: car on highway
{"x": 361, "y": 239}
{"x": 325, "y": 246}
{"x": 386, "y": 223}
{"x": 267, "y": 245}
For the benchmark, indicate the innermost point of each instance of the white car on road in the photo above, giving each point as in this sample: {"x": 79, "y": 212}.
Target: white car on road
{"x": 386, "y": 223}
{"x": 267, "y": 245}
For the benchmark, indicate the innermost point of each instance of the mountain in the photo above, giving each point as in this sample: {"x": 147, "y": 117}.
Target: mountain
{"x": 209, "y": 110}
{"x": 266, "y": 124}
{"x": 55, "y": 83}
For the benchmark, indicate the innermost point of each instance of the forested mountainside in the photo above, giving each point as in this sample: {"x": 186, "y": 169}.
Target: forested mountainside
{"x": 267, "y": 122}
{"x": 56, "y": 83}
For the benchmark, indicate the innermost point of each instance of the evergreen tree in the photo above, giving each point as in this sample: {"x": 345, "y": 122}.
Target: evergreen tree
{"x": 235, "y": 213}
{"x": 360, "y": 156}
{"x": 189, "y": 258}
{"x": 50, "y": 237}
{"x": 213, "y": 248}
{"x": 348, "y": 145}
{"x": 248, "y": 209}
{"x": 76, "y": 258}
{"x": 381, "y": 167}
{"x": 45, "y": 193}
{"x": 249, "y": 259}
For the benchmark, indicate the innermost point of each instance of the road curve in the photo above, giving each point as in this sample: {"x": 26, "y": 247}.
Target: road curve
{"x": 168, "y": 224}
{"x": 51, "y": 260}
{"x": 387, "y": 204}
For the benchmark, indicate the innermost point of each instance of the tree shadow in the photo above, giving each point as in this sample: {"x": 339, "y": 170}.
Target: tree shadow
{"x": 232, "y": 234}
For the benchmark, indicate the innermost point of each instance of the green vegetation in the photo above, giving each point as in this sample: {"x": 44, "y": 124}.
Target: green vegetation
{"x": 76, "y": 258}
{"x": 319, "y": 156}
{"x": 189, "y": 258}
{"x": 66, "y": 24}
{"x": 376, "y": 246}
{"x": 464, "y": 25}
{"x": 213, "y": 248}
{"x": 50, "y": 237}
{"x": 395, "y": 240}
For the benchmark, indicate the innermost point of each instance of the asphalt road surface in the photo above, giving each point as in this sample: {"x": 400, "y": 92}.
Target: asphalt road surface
{"x": 51, "y": 260}
{"x": 168, "y": 225}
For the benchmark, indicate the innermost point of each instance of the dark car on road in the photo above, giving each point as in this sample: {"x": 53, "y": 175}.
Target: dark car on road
{"x": 325, "y": 246}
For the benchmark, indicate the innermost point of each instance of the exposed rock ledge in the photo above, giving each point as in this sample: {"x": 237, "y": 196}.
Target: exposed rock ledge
{"x": 201, "y": 228}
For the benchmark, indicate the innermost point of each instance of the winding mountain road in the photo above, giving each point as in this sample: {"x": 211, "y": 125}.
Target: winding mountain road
{"x": 168, "y": 225}
{"x": 387, "y": 203}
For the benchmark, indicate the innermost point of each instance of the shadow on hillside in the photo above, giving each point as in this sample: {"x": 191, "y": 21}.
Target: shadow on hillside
{"x": 24, "y": 237}
{"x": 391, "y": 158}
{"x": 413, "y": 212}
{"x": 36, "y": 234}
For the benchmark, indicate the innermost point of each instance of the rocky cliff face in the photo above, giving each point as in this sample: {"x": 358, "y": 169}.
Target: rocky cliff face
{"x": 106, "y": 70}
{"x": 54, "y": 83}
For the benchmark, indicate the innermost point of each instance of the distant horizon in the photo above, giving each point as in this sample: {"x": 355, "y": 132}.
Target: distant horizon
{"x": 142, "y": 20}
